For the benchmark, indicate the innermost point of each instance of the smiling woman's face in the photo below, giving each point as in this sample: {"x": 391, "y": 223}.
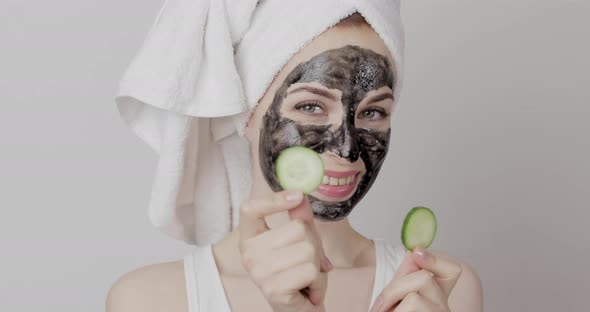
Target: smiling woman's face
{"x": 335, "y": 96}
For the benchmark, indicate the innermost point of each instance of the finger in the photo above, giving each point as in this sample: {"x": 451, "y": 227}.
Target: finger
{"x": 317, "y": 289}
{"x": 293, "y": 280}
{"x": 288, "y": 234}
{"x": 259, "y": 248}
{"x": 446, "y": 271}
{"x": 278, "y": 300}
{"x": 430, "y": 289}
{"x": 299, "y": 277}
{"x": 284, "y": 258}
{"x": 421, "y": 282}
{"x": 407, "y": 266}
{"x": 285, "y": 235}
{"x": 253, "y": 211}
{"x": 414, "y": 302}
{"x": 304, "y": 212}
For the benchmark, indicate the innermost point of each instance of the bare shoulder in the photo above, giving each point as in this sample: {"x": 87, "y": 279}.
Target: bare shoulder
{"x": 155, "y": 287}
{"x": 467, "y": 295}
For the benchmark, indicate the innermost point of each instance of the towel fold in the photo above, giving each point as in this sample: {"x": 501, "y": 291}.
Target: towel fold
{"x": 200, "y": 72}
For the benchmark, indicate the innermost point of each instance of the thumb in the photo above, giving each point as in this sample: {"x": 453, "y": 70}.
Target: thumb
{"x": 407, "y": 266}
{"x": 304, "y": 212}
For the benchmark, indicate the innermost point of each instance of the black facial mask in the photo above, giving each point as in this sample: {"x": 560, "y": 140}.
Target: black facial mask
{"x": 354, "y": 71}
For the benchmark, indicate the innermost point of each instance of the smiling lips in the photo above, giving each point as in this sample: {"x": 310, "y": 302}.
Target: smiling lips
{"x": 338, "y": 184}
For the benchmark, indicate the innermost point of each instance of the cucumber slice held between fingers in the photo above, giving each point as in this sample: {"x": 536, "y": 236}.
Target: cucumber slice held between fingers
{"x": 299, "y": 168}
{"x": 419, "y": 228}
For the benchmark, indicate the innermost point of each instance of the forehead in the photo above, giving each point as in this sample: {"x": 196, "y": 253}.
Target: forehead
{"x": 333, "y": 38}
{"x": 345, "y": 68}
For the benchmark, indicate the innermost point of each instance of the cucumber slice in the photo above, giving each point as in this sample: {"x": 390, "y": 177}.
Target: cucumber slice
{"x": 299, "y": 168}
{"x": 419, "y": 228}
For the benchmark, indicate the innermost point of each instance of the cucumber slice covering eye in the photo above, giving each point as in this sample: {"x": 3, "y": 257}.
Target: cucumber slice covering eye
{"x": 419, "y": 228}
{"x": 299, "y": 168}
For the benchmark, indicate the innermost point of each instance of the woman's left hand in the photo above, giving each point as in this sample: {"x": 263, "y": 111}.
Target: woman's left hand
{"x": 422, "y": 283}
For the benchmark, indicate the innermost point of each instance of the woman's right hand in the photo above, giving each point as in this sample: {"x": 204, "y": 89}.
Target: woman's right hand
{"x": 287, "y": 263}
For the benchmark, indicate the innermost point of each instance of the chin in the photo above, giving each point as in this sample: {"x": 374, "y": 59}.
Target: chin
{"x": 332, "y": 210}
{"x": 330, "y": 213}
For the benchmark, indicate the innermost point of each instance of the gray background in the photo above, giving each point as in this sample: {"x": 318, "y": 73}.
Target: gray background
{"x": 492, "y": 133}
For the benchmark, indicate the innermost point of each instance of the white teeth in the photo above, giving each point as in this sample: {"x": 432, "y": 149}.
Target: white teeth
{"x": 338, "y": 181}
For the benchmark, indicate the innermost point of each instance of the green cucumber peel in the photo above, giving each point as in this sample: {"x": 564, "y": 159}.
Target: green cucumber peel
{"x": 419, "y": 228}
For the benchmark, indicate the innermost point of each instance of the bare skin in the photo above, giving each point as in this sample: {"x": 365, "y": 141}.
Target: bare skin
{"x": 436, "y": 284}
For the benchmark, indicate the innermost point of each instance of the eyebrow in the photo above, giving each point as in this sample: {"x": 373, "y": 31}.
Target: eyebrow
{"x": 381, "y": 97}
{"x": 314, "y": 90}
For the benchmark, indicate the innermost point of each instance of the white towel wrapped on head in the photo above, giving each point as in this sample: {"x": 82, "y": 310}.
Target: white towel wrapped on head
{"x": 200, "y": 72}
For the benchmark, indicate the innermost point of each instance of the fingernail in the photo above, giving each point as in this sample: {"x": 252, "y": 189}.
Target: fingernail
{"x": 423, "y": 254}
{"x": 378, "y": 304}
{"x": 328, "y": 264}
{"x": 294, "y": 196}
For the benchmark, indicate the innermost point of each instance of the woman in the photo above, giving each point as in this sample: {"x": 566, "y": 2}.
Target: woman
{"x": 292, "y": 252}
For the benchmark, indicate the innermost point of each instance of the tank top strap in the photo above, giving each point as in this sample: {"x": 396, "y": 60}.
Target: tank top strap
{"x": 191, "y": 283}
{"x": 388, "y": 258}
{"x": 204, "y": 289}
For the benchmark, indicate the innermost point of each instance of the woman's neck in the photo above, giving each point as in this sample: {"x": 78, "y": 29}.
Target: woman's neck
{"x": 343, "y": 245}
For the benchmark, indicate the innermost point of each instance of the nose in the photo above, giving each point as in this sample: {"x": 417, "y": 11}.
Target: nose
{"x": 345, "y": 143}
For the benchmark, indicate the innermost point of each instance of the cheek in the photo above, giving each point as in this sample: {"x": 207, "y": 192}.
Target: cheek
{"x": 374, "y": 142}
{"x": 284, "y": 135}
{"x": 380, "y": 125}
{"x": 255, "y": 122}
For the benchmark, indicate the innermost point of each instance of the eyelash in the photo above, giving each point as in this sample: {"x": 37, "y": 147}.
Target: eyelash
{"x": 312, "y": 104}
{"x": 374, "y": 109}
{"x": 379, "y": 110}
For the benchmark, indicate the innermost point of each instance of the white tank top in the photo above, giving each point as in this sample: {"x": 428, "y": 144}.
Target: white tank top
{"x": 205, "y": 291}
